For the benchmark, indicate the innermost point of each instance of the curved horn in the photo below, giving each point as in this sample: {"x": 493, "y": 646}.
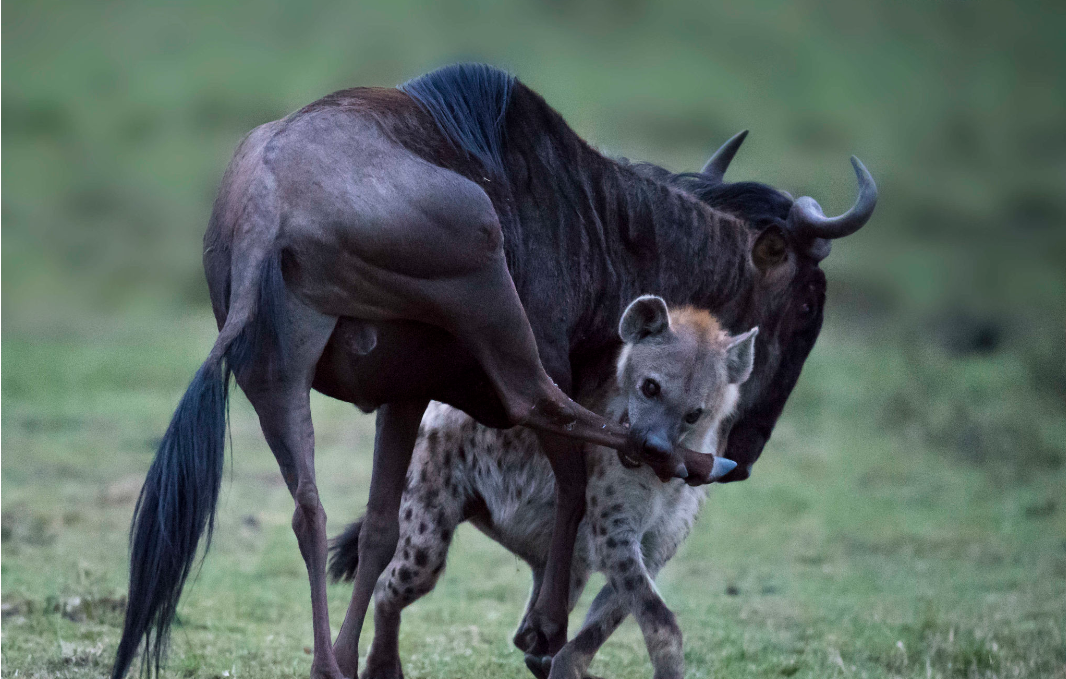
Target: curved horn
{"x": 806, "y": 216}
{"x": 719, "y": 162}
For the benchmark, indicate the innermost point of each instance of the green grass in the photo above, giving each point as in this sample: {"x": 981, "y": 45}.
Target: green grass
{"x": 853, "y": 551}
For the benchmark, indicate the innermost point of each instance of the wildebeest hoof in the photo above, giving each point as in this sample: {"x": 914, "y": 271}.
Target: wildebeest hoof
{"x": 525, "y": 639}
{"x": 326, "y": 673}
{"x": 531, "y": 641}
{"x": 538, "y": 635}
{"x": 382, "y": 673}
{"x": 387, "y": 669}
{"x": 539, "y": 665}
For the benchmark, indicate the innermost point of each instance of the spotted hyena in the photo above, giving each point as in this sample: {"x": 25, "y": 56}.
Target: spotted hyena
{"x": 677, "y": 380}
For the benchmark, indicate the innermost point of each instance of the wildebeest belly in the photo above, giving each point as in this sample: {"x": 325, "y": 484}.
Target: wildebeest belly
{"x": 409, "y": 361}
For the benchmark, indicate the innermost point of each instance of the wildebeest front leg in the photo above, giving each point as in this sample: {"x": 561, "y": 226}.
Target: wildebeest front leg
{"x": 280, "y": 393}
{"x": 543, "y": 631}
{"x": 397, "y": 429}
{"x": 540, "y": 664}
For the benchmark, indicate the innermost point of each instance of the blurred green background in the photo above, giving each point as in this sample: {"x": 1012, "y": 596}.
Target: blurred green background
{"x": 908, "y": 517}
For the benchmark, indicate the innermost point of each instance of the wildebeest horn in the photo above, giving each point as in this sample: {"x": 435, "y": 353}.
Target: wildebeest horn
{"x": 806, "y": 216}
{"x": 722, "y": 466}
{"x": 719, "y": 162}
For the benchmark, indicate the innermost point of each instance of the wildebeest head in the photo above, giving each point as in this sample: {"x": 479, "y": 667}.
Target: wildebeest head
{"x": 678, "y": 376}
{"x": 788, "y": 237}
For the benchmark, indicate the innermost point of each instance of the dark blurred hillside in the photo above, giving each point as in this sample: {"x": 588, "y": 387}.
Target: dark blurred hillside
{"x": 119, "y": 118}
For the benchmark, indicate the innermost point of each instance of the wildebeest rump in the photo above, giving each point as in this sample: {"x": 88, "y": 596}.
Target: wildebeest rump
{"x": 322, "y": 272}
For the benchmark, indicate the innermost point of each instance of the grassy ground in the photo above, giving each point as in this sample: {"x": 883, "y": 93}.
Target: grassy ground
{"x": 908, "y": 518}
{"x": 858, "y": 549}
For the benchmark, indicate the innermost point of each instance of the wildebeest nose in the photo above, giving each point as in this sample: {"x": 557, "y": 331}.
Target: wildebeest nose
{"x": 656, "y": 445}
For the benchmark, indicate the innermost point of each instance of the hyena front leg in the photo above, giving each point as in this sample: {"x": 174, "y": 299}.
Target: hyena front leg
{"x": 429, "y": 514}
{"x": 607, "y": 612}
{"x": 662, "y": 635}
{"x": 632, "y": 590}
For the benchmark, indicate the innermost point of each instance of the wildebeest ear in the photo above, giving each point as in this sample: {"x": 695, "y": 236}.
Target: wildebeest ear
{"x": 740, "y": 356}
{"x": 644, "y": 317}
{"x": 770, "y": 248}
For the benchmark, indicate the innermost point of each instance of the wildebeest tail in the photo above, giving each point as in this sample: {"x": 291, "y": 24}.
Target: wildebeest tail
{"x": 344, "y": 553}
{"x": 177, "y": 503}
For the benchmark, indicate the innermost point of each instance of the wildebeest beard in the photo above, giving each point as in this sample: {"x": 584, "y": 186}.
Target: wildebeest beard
{"x": 583, "y": 235}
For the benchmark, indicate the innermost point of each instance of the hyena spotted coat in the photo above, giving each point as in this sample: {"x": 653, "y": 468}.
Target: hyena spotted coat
{"x": 677, "y": 380}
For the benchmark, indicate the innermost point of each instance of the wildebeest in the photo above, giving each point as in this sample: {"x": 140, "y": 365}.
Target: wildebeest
{"x": 677, "y": 376}
{"x": 451, "y": 240}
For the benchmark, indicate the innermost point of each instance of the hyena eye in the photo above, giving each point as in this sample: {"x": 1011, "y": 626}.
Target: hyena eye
{"x": 694, "y": 416}
{"x": 650, "y": 388}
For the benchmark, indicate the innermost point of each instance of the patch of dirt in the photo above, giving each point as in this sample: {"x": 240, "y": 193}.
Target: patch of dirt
{"x": 123, "y": 491}
{"x": 17, "y": 607}
{"x": 20, "y": 525}
{"x": 81, "y": 609}
{"x": 80, "y": 654}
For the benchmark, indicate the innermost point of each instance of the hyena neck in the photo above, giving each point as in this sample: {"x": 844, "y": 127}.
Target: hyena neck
{"x": 612, "y": 403}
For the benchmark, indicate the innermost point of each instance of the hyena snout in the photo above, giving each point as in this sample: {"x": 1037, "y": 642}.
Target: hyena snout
{"x": 656, "y": 444}
{"x": 659, "y": 452}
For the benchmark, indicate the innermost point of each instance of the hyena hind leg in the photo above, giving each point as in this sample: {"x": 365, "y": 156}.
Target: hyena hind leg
{"x": 429, "y": 515}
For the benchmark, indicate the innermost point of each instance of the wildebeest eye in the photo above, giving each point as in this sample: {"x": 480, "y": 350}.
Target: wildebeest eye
{"x": 694, "y": 416}
{"x": 806, "y": 308}
{"x": 650, "y": 388}
{"x": 770, "y": 249}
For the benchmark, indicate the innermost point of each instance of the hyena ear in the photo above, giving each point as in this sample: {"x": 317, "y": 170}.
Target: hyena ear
{"x": 740, "y": 356}
{"x": 645, "y": 317}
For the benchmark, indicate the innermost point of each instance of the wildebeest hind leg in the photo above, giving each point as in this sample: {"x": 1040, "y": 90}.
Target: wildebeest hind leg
{"x": 397, "y": 429}
{"x": 279, "y": 391}
{"x": 483, "y": 311}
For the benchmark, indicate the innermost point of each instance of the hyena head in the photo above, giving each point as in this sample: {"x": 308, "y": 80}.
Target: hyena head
{"x": 679, "y": 375}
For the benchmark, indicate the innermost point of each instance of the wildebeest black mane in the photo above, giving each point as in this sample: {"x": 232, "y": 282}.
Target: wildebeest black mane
{"x": 552, "y": 188}
{"x": 468, "y": 102}
{"x": 754, "y": 202}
